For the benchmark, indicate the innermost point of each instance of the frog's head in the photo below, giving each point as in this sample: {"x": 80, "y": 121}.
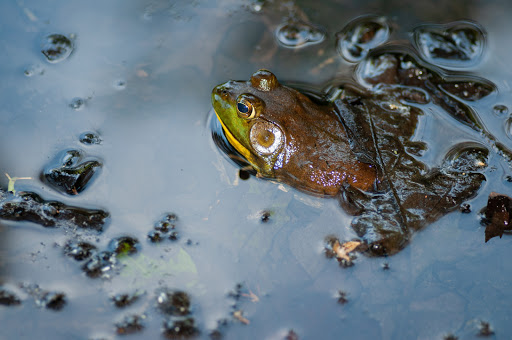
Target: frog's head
{"x": 253, "y": 115}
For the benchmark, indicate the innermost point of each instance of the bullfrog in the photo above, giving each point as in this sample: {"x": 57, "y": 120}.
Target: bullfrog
{"x": 359, "y": 146}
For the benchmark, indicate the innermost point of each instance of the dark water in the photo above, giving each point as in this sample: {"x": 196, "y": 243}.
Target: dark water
{"x": 139, "y": 76}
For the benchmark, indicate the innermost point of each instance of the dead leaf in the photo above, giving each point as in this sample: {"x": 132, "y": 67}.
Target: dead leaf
{"x": 497, "y": 215}
{"x": 343, "y": 250}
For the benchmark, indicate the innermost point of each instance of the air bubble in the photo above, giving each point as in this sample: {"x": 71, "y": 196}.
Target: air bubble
{"x": 77, "y": 103}
{"x": 358, "y": 37}
{"x": 120, "y": 84}
{"x": 467, "y": 157}
{"x": 34, "y": 70}
{"x": 90, "y": 138}
{"x": 500, "y": 110}
{"x": 456, "y": 45}
{"x": 256, "y": 7}
{"x": 508, "y": 128}
{"x": 295, "y": 34}
{"x": 57, "y": 47}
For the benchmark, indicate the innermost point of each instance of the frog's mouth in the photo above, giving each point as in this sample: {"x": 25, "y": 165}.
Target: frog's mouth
{"x": 235, "y": 143}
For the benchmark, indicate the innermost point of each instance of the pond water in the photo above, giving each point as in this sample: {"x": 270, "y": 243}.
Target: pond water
{"x": 241, "y": 258}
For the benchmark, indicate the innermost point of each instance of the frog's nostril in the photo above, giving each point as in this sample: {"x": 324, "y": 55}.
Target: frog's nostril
{"x": 221, "y": 90}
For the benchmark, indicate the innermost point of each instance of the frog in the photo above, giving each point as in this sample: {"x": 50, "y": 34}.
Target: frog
{"x": 359, "y": 147}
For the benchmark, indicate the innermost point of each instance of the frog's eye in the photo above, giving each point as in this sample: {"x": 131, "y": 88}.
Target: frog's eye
{"x": 246, "y": 106}
{"x": 245, "y": 110}
{"x": 266, "y": 138}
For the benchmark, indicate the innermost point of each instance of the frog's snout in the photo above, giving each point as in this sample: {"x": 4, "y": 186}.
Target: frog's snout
{"x": 223, "y": 90}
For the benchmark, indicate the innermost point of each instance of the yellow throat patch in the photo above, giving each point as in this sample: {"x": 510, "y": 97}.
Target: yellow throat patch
{"x": 236, "y": 144}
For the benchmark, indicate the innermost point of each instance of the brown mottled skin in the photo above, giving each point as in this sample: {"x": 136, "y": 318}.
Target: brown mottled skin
{"x": 316, "y": 155}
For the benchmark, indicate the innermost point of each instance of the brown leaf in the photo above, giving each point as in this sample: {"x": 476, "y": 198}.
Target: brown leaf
{"x": 497, "y": 215}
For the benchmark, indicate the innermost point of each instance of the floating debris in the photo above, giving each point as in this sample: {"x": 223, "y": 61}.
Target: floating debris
{"x": 497, "y": 215}
{"x": 43, "y": 298}
{"x": 34, "y": 70}
{"x": 28, "y": 206}
{"x": 180, "y": 328}
{"x": 238, "y": 315}
{"x": 265, "y": 216}
{"x": 8, "y": 298}
{"x": 72, "y": 173}
{"x": 342, "y": 297}
{"x": 465, "y": 208}
{"x": 12, "y": 180}
{"x": 52, "y": 300}
{"x": 79, "y": 250}
{"x": 155, "y": 236}
{"x": 291, "y": 335}
{"x": 343, "y": 252}
{"x": 176, "y": 306}
{"x": 124, "y": 245}
{"x": 485, "y": 329}
{"x": 130, "y": 324}
{"x": 100, "y": 264}
{"x": 125, "y": 300}
{"x": 165, "y": 228}
{"x": 77, "y": 103}
{"x": 172, "y": 302}
{"x": 120, "y": 85}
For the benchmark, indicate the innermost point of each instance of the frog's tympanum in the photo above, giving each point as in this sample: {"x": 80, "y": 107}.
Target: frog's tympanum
{"x": 359, "y": 148}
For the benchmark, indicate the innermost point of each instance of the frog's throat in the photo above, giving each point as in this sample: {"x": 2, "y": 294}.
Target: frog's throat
{"x": 236, "y": 144}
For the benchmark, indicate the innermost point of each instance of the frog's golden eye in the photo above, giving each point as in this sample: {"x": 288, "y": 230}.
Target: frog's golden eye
{"x": 266, "y": 138}
{"x": 246, "y": 106}
{"x": 245, "y": 110}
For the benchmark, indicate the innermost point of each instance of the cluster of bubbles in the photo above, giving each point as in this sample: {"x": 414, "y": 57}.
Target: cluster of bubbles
{"x": 456, "y": 45}
{"x": 164, "y": 228}
{"x": 57, "y": 48}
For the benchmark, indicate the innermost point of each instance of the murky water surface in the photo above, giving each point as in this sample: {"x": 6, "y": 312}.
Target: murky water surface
{"x": 105, "y": 121}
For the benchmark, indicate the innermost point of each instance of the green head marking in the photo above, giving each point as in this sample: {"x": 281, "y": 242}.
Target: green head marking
{"x": 240, "y": 110}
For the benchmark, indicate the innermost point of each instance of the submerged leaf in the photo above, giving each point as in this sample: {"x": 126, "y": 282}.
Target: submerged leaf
{"x": 497, "y": 215}
{"x": 409, "y": 194}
